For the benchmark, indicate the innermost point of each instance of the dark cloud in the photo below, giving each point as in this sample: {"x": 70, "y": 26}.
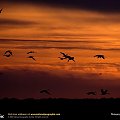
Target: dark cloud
{"x": 53, "y": 41}
{"x": 14, "y": 22}
{"x": 54, "y": 47}
{"x": 57, "y": 44}
{"x": 87, "y": 47}
{"x": 95, "y": 5}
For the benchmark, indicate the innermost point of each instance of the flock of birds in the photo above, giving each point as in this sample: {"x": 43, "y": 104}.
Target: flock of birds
{"x": 9, "y": 53}
{"x": 103, "y": 92}
{"x": 66, "y": 56}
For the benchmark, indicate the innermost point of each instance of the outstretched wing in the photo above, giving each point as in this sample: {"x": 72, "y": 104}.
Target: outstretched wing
{"x": 1, "y": 10}
{"x": 33, "y": 58}
{"x": 63, "y": 54}
{"x": 45, "y": 91}
{"x": 73, "y": 59}
{"x": 28, "y": 52}
{"x": 103, "y": 57}
{"x": 8, "y": 51}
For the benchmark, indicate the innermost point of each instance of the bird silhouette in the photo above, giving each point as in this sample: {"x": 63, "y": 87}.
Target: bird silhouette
{"x": 91, "y": 93}
{"x": 30, "y": 52}
{"x": 32, "y": 57}
{"x": 100, "y": 56}
{"x": 1, "y": 10}
{"x": 104, "y": 92}
{"x": 8, "y": 52}
{"x": 46, "y": 91}
{"x": 70, "y": 58}
{"x": 66, "y": 56}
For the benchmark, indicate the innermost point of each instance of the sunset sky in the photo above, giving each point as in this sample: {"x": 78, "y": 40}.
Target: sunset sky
{"x": 80, "y": 28}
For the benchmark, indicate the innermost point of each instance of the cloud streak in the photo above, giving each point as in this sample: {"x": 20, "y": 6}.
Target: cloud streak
{"x": 101, "y": 5}
{"x": 60, "y": 44}
{"x": 15, "y": 22}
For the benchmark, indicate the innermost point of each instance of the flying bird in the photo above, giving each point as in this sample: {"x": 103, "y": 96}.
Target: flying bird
{"x": 66, "y": 56}
{"x": 70, "y": 58}
{"x": 46, "y": 91}
{"x": 91, "y": 93}
{"x": 32, "y": 57}
{"x": 8, "y": 52}
{"x": 30, "y": 52}
{"x": 104, "y": 92}
{"x": 1, "y": 10}
{"x": 100, "y": 56}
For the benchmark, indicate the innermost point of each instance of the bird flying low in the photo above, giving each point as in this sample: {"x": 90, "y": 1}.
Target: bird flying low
{"x": 104, "y": 92}
{"x": 66, "y": 56}
{"x": 91, "y": 93}
{"x": 31, "y": 57}
{"x": 100, "y": 56}
{"x": 46, "y": 91}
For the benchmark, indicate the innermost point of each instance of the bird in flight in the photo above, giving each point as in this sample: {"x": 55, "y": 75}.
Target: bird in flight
{"x": 100, "y": 56}
{"x": 30, "y": 52}
{"x": 46, "y": 91}
{"x": 1, "y": 10}
{"x": 32, "y": 57}
{"x": 104, "y": 92}
{"x": 66, "y": 56}
{"x": 91, "y": 93}
{"x": 8, "y": 52}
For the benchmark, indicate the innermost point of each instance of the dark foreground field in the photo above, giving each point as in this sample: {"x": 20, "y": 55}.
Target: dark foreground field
{"x": 60, "y": 109}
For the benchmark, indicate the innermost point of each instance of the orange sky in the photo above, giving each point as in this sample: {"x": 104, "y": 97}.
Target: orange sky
{"x": 49, "y": 30}
{"x": 24, "y": 21}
